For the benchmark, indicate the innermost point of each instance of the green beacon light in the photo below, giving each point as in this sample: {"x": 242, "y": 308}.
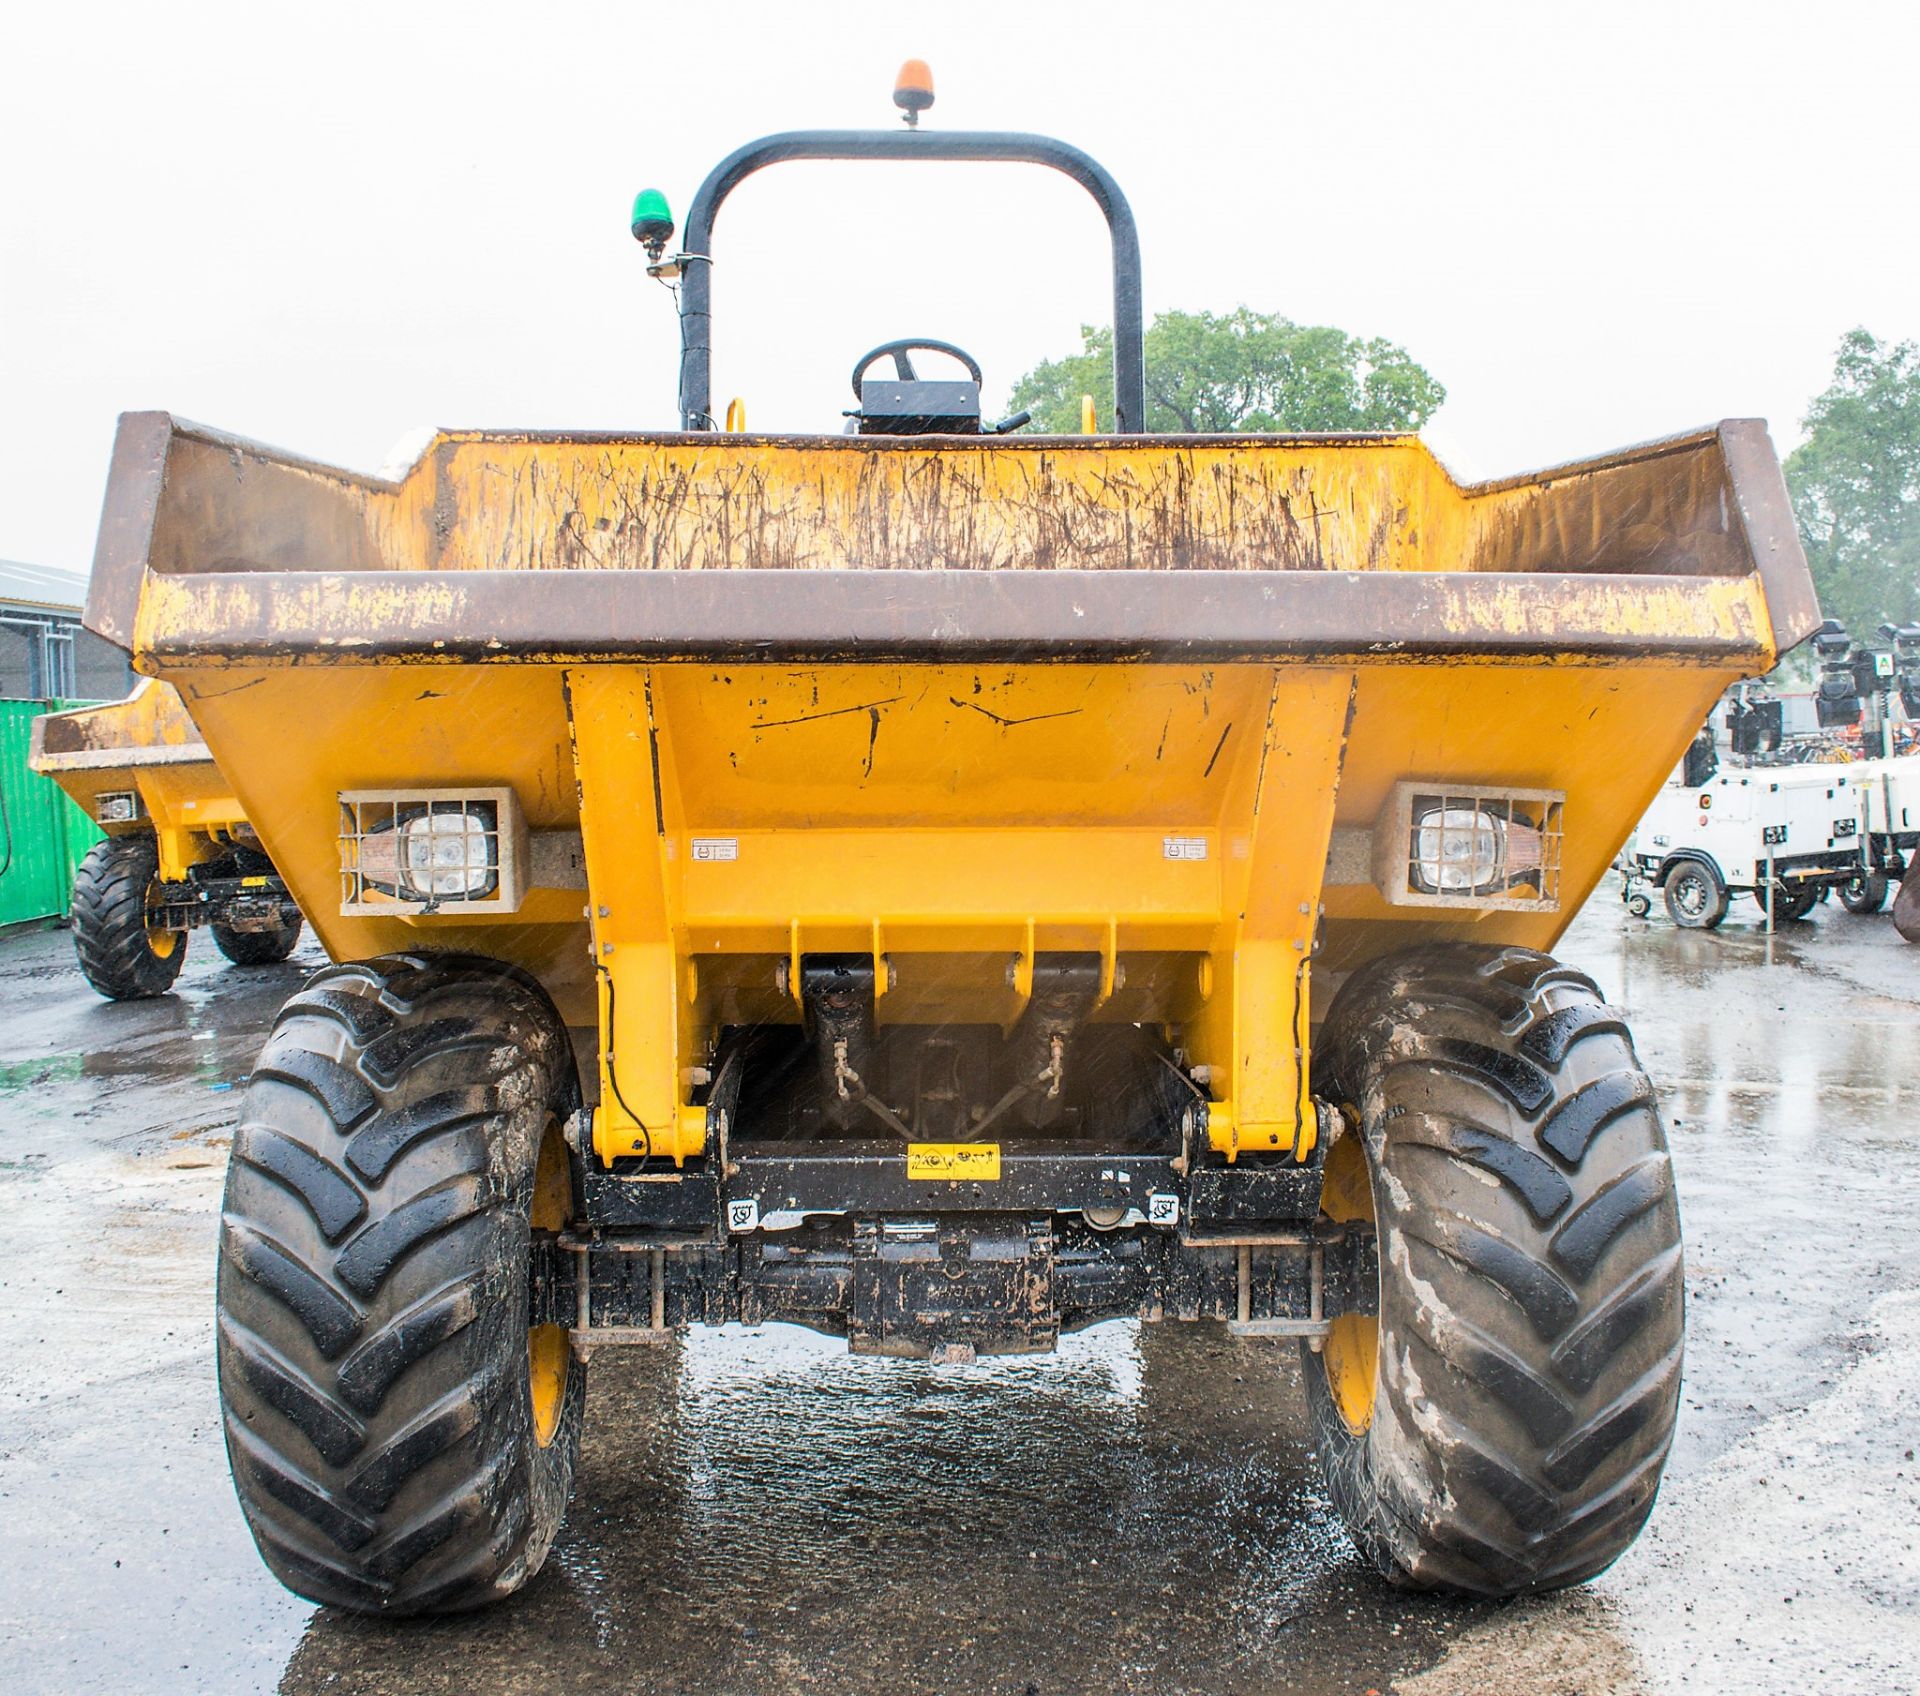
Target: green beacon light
{"x": 652, "y": 222}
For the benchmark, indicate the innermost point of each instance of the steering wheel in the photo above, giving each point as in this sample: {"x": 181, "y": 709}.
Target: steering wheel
{"x": 904, "y": 366}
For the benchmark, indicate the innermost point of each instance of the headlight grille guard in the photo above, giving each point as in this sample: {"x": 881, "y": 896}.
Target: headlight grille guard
{"x": 1477, "y": 846}
{"x": 412, "y": 853}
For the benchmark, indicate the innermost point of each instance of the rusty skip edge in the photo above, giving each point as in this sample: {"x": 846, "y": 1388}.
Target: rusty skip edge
{"x": 472, "y": 617}
{"x": 260, "y": 615}
{"x": 48, "y": 761}
{"x": 145, "y": 729}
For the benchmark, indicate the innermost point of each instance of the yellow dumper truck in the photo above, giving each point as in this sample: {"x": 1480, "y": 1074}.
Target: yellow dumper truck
{"x": 945, "y": 888}
{"x": 179, "y": 854}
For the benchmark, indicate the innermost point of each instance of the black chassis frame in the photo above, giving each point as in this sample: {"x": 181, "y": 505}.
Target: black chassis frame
{"x": 238, "y": 899}
{"x": 833, "y": 1235}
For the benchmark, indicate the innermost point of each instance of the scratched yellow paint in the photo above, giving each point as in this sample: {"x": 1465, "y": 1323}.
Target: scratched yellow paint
{"x": 506, "y": 501}
{"x": 948, "y": 819}
{"x": 1382, "y": 503}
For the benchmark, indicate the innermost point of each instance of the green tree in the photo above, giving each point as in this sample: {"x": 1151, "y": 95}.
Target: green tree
{"x": 1856, "y": 485}
{"x": 1241, "y": 371}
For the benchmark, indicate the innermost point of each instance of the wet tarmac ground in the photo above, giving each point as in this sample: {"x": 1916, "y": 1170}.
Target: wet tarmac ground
{"x": 760, "y": 1512}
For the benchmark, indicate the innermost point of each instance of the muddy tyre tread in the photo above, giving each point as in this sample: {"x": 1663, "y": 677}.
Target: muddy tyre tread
{"x": 373, "y": 1289}
{"x": 109, "y": 921}
{"x": 257, "y": 947}
{"x": 1532, "y": 1279}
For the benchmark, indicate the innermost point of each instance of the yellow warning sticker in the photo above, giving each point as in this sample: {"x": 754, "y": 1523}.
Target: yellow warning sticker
{"x": 953, "y": 1160}
{"x": 253, "y": 883}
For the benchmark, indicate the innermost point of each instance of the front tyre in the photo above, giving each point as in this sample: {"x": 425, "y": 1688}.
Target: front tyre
{"x": 122, "y": 958}
{"x": 402, "y": 1438}
{"x": 1501, "y": 1424}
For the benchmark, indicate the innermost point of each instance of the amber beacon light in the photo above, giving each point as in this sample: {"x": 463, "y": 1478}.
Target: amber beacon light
{"x": 913, "y": 90}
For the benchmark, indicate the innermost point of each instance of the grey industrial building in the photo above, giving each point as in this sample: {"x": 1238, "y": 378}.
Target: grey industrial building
{"x": 45, "y": 655}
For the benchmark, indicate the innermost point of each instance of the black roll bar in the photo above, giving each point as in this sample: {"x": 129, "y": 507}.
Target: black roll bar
{"x": 993, "y": 146}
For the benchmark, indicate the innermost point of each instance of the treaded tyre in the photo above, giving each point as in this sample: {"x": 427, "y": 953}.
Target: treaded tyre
{"x": 1696, "y": 898}
{"x": 1865, "y": 894}
{"x": 257, "y": 947}
{"x": 401, "y": 1440}
{"x": 1785, "y": 902}
{"x": 1501, "y": 1426}
{"x": 1906, "y": 903}
{"x": 121, "y": 958}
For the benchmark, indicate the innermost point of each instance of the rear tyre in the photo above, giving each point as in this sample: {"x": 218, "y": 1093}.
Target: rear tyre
{"x": 402, "y": 1438}
{"x": 1865, "y": 894}
{"x": 121, "y": 957}
{"x": 1906, "y": 904}
{"x": 257, "y": 947}
{"x": 1787, "y": 902}
{"x": 1501, "y": 1425}
{"x": 1696, "y": 898}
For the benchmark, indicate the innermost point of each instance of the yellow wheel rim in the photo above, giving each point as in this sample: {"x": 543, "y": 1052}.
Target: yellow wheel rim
{"x": 161, "y": 943}
{"x": 1351, "y": 1352}
{"x": 548, "y": 1346}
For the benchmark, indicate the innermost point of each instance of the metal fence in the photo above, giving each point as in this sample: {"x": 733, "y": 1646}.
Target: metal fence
{"x": 42, "y": 833}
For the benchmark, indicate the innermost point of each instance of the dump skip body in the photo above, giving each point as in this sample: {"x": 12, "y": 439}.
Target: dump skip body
{"x": 947, "y": 703}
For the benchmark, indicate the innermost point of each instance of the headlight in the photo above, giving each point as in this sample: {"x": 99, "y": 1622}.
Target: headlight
{"x": 1440, "y": 843}
{"x": 440, "y": 851}
{"x": 1462, "y": 850}
{"x": 440, "y": 854}
{"x": 121, "y": 807}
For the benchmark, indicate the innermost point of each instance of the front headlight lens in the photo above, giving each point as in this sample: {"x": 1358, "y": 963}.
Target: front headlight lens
{"x": 450, "y": 854}
{"x": 1472, "y": 851}
{"x": 443, "y": 852}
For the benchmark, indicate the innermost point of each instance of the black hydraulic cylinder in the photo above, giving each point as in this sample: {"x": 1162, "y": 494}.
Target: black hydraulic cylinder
{"x": 1066, "y": 988}
{"x": 836, "y": 998}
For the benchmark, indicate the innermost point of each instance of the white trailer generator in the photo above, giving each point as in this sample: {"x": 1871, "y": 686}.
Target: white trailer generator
{"x": 1787, "y": 835}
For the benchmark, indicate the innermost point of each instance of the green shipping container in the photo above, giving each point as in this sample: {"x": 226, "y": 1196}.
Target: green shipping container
{"x": 42, "y": 833}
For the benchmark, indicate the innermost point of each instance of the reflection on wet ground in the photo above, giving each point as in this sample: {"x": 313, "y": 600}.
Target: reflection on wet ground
{"x": 768, "y": 1513}
{"x": 762, "y": 1512}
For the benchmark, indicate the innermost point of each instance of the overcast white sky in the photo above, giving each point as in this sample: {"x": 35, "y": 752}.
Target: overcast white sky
{"x": 323, "y": 226}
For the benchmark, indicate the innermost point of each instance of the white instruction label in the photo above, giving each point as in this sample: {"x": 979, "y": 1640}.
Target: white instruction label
{"x": 1184, "y": 847}
{"x": 716, "y": 847}
{"x": 743, "y": 1215}
{"x": 1163, "y": 1210}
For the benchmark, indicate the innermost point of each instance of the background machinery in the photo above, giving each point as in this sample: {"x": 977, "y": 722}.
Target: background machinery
{"x": 179, "y": 854}
{"x": 1788, "y": 835}
{"x": 1788, "y": 823}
